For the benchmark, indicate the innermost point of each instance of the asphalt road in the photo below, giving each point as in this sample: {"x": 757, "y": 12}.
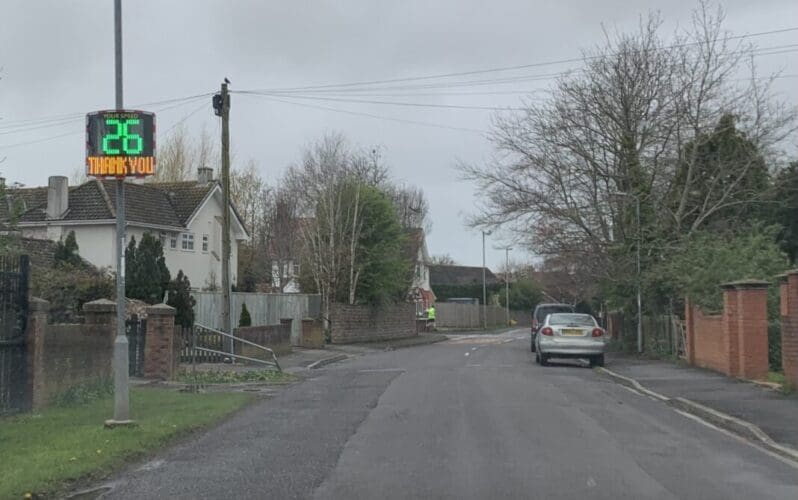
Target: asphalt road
{"x": 472, "y": 418}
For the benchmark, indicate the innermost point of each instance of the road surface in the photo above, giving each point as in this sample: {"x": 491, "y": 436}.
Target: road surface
{"x": 471, "y": 418}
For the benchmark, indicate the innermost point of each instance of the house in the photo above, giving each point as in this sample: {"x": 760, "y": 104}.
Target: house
{"x": 186, "y": 216}
{"x": 449, "y": 282}
{"x": 416, "y": 251}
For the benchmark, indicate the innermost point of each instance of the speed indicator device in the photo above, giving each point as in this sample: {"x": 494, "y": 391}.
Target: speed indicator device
{"x": 120, "y": 143}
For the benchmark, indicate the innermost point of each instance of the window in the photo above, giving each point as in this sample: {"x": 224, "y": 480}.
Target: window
{"x": 188, "y": 242}
{"x": 173, "y": 242}
{"x": 296, "y": 270}
{"x": 162, "y": 239}
{"x": 205, "y": 243}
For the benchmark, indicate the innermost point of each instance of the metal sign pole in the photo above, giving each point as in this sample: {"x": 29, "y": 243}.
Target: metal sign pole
{"x": 121, "y": 354}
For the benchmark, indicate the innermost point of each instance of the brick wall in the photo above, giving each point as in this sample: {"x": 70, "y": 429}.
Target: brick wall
{"x": 275, "y": 337}
{"x": 789, "y": 328}
{"x": 367, "y": 324}
{"x": 707, "y": 345}
{"x": 735, "y": 342}
{"x": 63, "y": 356}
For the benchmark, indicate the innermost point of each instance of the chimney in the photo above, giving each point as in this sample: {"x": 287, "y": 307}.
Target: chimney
{"x": 57, "y": 196}
{"x": 205, "y": 174}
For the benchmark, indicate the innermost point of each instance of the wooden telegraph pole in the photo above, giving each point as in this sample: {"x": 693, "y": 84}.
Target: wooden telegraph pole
{"x": 227, "y": 325}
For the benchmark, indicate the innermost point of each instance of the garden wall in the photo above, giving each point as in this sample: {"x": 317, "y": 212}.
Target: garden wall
{"x": 367, "y": 324}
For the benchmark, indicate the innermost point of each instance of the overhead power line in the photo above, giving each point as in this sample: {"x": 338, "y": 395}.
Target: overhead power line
{"x": 81, "y": 131}
{"x": 367, "y": 115}
{"x": 507, "y": 68}
{"x": 389, "y": 103}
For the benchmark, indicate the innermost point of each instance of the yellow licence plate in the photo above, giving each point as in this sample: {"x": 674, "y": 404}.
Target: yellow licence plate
{"x": 572, "y": 332}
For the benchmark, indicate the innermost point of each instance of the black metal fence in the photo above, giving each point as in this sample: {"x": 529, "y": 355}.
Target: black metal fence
{"x": 136, "y": 331}
{"x": 14, "y": 387}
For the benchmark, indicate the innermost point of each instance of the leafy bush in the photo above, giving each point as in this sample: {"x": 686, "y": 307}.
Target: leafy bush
{"x": 245, "y": 319}
{"x": 180, "y": 298}
{"x": 66, "y": 252}
{"x": 525, "y": 294}
{"x": 67, "y": 287}
{"x": 709, "y": 259}
{"x": 146, "y": 274}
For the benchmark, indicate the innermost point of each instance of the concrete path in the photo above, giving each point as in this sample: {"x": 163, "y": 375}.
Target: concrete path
{"x": 470, "y": 418}
{"x": 773, "y": 412}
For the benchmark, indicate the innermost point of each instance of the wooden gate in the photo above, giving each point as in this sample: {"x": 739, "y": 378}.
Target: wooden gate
{"x": 14, "y": 386}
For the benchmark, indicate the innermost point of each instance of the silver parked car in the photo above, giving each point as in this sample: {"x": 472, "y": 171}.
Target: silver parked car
{"x": 570, "y": 335}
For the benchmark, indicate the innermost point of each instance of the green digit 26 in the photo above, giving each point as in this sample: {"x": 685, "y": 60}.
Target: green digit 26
{"x": 131, "y": 144}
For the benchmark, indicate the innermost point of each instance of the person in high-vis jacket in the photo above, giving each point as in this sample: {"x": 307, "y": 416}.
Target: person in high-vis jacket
{"x": 431, "y": 317}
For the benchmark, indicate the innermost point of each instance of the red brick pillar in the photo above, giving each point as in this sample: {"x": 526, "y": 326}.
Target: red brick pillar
{"x": 689, "y": 323}
{"x": 789, "y": 328}
{"x": 731, "y": 350}
{"x": 748, "y": 342}
{"x": 160, "y": 351}
{"x": 38, "y": 311}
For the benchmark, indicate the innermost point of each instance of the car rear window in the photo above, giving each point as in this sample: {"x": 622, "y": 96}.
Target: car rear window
{"x": 572, "y": 319}
{"x": 545, "y": 311}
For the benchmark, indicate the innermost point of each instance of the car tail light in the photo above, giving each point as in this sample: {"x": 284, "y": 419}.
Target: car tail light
{"x": 547, "y": 331}
{"x": 598, "y": 332}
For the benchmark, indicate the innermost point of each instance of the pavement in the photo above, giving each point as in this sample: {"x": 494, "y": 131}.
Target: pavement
{"x": 773, "y": 412}
{"x": 300, "y": 359}
{"x": 469, "y": 418}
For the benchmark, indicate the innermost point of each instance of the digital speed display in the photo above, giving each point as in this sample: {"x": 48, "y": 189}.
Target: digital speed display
{"x": 120, "y": 144}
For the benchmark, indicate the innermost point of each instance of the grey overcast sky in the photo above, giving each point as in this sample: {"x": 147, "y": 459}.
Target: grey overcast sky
{"x": 57, "y": 60}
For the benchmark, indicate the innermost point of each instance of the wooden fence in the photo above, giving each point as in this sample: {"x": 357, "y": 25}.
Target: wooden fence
{"x": 264, "y": 309}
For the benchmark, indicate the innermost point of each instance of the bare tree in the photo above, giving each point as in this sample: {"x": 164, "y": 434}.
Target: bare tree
{"x": 326, "y": 187}
{"x": 249, "y": 193}
{"x": 179, "y": 155}
{"x": 283, "y": 248}
{"x": 411, "y": 206}
{"x": 442, "y": 260}
{"x": 622, "y": 124}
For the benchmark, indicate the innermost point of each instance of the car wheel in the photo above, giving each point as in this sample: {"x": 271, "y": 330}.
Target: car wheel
{"x": 597, "y": 361}
{"x": 544, "y": 359}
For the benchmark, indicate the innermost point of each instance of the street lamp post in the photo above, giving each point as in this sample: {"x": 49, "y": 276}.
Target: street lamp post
{"x": 639, "y": 299}
{"x": 507, "y": 283}
{"x": 484, "y": 285}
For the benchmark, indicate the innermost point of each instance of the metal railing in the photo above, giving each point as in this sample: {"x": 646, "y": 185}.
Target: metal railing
{"x": 219, "y": 355}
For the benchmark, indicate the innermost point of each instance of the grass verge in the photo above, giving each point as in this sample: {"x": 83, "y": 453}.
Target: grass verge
{"x": 776, "y": 377}
{"x": 43, "y": 453}
{"x": 234, "y": 377}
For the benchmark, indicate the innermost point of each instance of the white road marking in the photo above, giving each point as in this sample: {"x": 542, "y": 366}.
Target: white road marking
{"x": 738, "y": 438}
{"x": 591, "y": 483}
{"x": 468, "y": 354}
{"x": 473, "y": 348}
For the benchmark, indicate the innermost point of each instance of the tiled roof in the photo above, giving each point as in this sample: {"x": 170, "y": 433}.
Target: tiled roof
{"x": 144, "y": 203}
{"x": 185, "y": 197}
{"x": 459, "y": 275}
{"x": 166, "y": 204}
